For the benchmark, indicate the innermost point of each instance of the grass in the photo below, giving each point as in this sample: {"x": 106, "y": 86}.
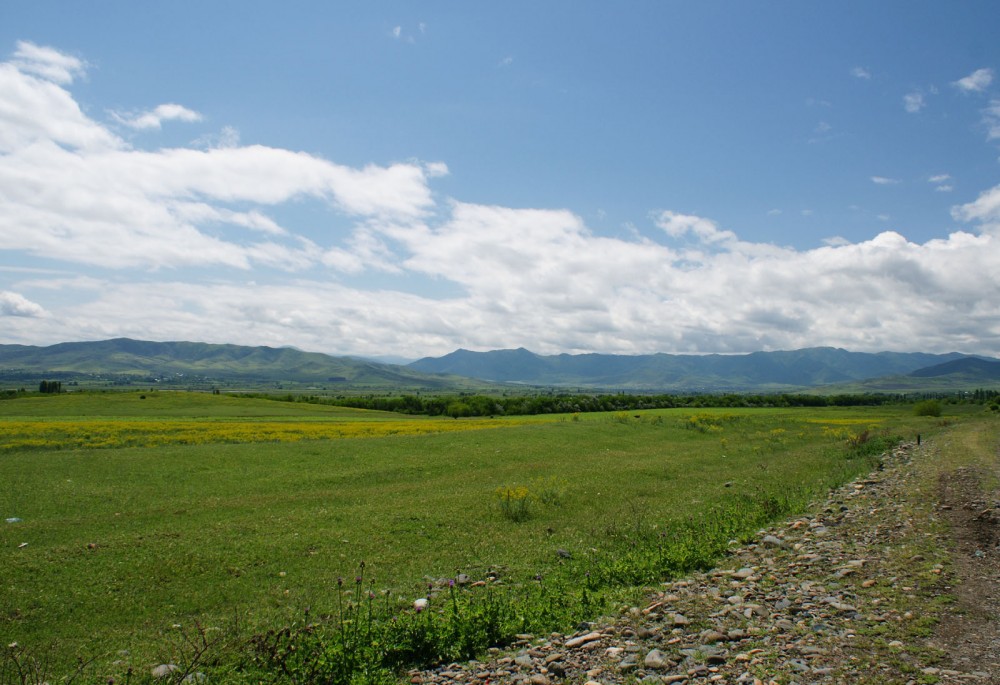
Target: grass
{"x": 125, "y": 543}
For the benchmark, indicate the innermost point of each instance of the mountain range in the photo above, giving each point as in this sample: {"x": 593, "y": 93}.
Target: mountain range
{"x": 758, "y": 371}
{"x": 123, "y": 360}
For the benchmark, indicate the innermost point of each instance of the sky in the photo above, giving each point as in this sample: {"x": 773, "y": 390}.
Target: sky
{"x": 403, "y": 179}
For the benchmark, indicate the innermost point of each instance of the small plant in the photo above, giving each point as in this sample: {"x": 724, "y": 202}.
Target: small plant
{"x": 551, "y": 491}
{"x": 514, "y": 502}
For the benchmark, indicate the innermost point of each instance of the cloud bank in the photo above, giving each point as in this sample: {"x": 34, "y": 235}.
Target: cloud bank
{"x": 190, "y": 243}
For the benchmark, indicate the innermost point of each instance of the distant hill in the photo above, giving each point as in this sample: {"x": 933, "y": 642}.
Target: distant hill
{"x": 126, "y": 361}
{"x": 971, "y": 367}
{"x": 758, "y": 371}
{"x": 179, "y": 362}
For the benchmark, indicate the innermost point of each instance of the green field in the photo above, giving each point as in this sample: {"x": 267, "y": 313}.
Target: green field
{"x": 115, "y": 546}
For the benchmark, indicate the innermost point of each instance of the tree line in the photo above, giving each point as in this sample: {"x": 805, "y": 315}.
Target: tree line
{"x": 459, "y": 406}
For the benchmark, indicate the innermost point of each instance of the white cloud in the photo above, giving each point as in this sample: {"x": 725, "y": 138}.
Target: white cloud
{"x": 397, "y": 31}
{"x": 914, "y": 102}
{"x": 48, "y": 63}
{"x": 774, "y": 212}
{"x": 706, "y": 231}
{"x": 884, "y": 181}
{"x": 861, "y": 72}
{"x": 939, "y": 178}
{"x": 991, "y": 118}
{"x": 75, "y": 194}
{"x": 15, "y": 304}
{"x": 72, "y": 189}
{"x": 985, "y": 209}
{"x": 506, "y": 61}
{"x": 154, "y": 118}
{"x": 946, "y": 188}
{"x": 976, "y": 82}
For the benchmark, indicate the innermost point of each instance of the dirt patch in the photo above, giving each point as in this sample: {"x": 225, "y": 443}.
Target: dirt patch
{"x": 970, "y": 633}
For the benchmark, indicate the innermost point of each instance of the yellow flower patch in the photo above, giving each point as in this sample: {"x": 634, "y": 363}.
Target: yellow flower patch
{"x": 98, "y": 434}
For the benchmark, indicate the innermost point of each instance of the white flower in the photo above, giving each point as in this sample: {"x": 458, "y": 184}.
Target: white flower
{"x": 420, "y": 604}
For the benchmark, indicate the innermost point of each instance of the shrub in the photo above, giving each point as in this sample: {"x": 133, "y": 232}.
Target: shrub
{"x": 927, "y": 408}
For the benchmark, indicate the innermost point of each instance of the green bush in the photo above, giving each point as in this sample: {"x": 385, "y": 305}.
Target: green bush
{"x": 927, "y": 408}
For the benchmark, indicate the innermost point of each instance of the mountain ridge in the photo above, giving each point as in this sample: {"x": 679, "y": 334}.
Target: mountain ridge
{"x": 777, "y": 371}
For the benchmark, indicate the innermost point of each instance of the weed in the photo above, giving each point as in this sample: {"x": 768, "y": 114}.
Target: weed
{"x": 550, "y": 491}
{"x": 514, "y": 502}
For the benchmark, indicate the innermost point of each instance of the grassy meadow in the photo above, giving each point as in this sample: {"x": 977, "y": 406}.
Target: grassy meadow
{"x": 140, "y": 517}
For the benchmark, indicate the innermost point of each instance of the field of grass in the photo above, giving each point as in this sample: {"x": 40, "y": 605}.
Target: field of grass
{"x": 195, "y": 507}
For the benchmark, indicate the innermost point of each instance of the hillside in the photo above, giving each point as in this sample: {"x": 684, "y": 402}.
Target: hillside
{"x": 123, "y": 359}
{"x": 758, "y": 371}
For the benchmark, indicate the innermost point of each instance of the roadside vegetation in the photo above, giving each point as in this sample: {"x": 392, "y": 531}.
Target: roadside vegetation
{"x": 299, "y": 542}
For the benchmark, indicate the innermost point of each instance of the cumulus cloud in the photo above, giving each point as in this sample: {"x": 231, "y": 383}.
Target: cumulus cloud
{"x": 15, "y": 304}
{"x": 541, "y": 279}
{"x": 449, "y": 273}
{"x": 976, "y": 82}
{"x": 861, "y": 73}
{"x": 73, "y": 189}
{"x": 153, "y": 119}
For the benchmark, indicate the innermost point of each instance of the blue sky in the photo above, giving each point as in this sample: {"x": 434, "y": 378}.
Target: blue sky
{"x": 408, "y": 178}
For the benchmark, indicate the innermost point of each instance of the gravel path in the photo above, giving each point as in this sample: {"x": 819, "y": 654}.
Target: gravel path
{"x": 876, "y": 585}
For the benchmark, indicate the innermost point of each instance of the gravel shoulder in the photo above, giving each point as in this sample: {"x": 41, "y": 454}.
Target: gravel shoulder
{"x": 890, "y": 580}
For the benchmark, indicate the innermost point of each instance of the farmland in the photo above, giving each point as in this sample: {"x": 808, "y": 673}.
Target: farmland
{"x": 138, "y": 516}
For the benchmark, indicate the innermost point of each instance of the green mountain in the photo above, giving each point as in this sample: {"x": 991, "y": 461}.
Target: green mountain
{"x": 123, "y": 359}
{"x": 759, "y": 371}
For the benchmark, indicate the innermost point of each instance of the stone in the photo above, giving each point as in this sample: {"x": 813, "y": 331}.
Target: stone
{"x": 583, "y": 639}
{"x": 163, "y": 671}
{"x": 656, "y": 659}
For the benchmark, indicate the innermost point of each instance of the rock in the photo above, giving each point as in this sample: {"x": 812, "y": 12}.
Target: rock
{"x": 772, "y": 541}
{"x": 629, "y": 663}
{"x": 656, "y": 659}
{"x": 583, "y": 639}
{"x": 163, "y": 671}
